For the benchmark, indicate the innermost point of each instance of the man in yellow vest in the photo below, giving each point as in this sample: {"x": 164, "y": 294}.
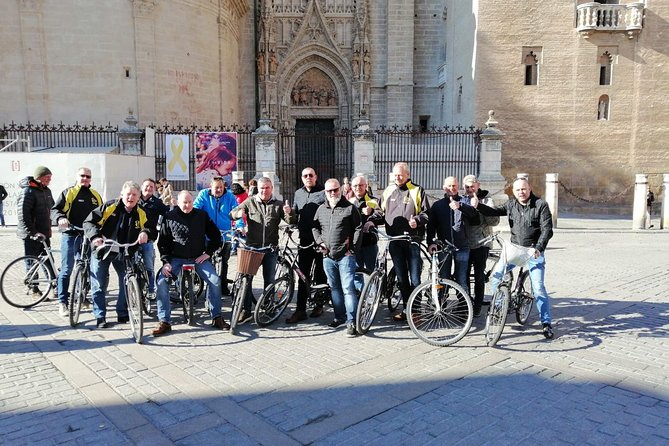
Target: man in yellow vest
{"x": 405, "y": 207}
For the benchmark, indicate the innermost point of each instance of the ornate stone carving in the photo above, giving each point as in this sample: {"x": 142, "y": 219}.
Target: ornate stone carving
{"x": 314, "y": 89}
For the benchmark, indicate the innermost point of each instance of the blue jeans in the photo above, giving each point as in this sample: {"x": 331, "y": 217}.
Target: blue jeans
{"x": 206, "y": 271}
{"x": 268, "y": 269}
{"x": 99, "y": 281}
{"x": 2, "y": 214}
{"x": 461, "y": 274}
{"x": 365, "y": 258}
{"x": 341, "y": 278}
{"x": 148, "y": 255}
{"x": 408, "y": 264}
{"x": 70, "y": 247}
{"x": 537, "y": 268}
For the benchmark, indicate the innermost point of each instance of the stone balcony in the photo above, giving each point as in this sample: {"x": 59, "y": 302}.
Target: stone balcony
{"x": 597, "y": 17}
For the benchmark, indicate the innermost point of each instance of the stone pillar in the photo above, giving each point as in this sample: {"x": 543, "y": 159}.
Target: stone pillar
{"x": 130, "y": 137}
{"x": 265, "y": 137}
{"x": 552, "y": 195}
{"x": 664, "y": 216}
{"x": 363, "y": 151}
{"x": 490, "y": 174}
{"x": 639, "y": 210}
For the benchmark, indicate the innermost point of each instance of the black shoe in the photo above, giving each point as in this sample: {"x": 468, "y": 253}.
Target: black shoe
{"x": 101, "y": 323}
{"x": 123, "y": 319}
{"x": 477, "y": 311}
{"x": 350, "y": 331}
{"x": 226, "y": 291}
{"x": 317, "y": 311}
{"x": 298, "y": 316}
{"x": 335, "y": 323}
{"x": 548, "y": 331}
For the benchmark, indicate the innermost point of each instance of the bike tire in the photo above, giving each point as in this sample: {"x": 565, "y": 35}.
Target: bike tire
{"x": 392, "y": 291}
{"x": 189, "y": 297}
{"x": 186, "y": 296}
{"x": 368, "y": 303}
{"x": 238, "y": 301}
{"x": 496, "y": 317}
{"x": 135, "y": 313}
{"x": 524, "y": 298}
{"x": 78, "y": 291}
{"x": 443, "y": 325}
{"x": 143, "y": 281}
{"x": 274, "y": 301}
{"x": 21, "y": 277}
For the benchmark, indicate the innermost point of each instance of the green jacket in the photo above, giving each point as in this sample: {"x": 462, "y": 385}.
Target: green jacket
{"x": 263, "y": 220}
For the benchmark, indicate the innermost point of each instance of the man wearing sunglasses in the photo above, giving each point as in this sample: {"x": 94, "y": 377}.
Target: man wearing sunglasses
{"x": 306, "y": 202}
{"x": 71, "y": 209}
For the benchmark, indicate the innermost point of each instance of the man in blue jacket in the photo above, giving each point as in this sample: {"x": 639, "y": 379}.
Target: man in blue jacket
{"x": 217, "y": 202}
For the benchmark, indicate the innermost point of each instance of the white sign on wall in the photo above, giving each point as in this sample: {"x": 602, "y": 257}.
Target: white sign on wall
{"x": 177, "y": 149}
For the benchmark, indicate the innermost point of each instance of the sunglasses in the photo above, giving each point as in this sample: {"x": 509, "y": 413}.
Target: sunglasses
{"x": 85, "y": 176}
{"x": 332, "y": 191}
{"x": 308, "y": 175}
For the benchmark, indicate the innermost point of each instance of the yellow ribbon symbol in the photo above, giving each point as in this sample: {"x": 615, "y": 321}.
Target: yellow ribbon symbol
{"x": 177, "y": 147}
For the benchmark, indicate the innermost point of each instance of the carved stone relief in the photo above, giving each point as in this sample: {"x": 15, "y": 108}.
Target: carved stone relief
{"x": 314, "y": 89}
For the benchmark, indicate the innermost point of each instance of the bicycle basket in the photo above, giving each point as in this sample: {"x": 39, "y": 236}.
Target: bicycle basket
{"x": 249, "y": 261}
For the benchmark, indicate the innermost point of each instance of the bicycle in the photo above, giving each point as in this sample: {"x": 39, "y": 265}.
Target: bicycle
{"x": 21, "y": 280}
{"x": 440, "y": 311}
{"x": 392, "y": 291}
{"x": 381, "y": 285}
{"x": 133, "y": 291}
{"x": 507, "y": 298}
{"x": 80, "y": 282}
{"x": 277, "y": 296}
{"x": 249, "y": 260}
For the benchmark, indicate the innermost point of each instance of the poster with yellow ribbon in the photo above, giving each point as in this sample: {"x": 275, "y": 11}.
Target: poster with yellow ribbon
{"x": 177, "y": 149}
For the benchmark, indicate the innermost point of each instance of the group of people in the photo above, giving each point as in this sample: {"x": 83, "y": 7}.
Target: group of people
{"x": 336, "y": 218}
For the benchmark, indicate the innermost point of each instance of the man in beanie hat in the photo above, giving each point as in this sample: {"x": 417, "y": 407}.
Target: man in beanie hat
{"x": 34, "y": 212}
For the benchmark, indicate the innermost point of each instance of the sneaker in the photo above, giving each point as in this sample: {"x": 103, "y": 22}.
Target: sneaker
{"x": 101, "y": 323}
{"x": 63, "y": 311}
{"x": 317, "y": 311}
{"x": 220, "y": 324}
{"x": 161, "y": 329}
{"x": 548, "y": 331}
{"x": 244, "y": 317}
{"x": 298, "y": 316}
{"x": 335, "y": 323}
{"x": 36, "y": 293}
{"x": 350, "y": 331}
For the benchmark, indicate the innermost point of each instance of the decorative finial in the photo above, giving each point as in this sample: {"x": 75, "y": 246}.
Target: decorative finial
{"x": 491, "y": 122}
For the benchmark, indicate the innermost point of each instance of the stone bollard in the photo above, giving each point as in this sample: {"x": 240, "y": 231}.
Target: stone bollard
{"x": 551, "y": 196}
{"x": 639, "y": 218}
{"x": 664, "y": 216}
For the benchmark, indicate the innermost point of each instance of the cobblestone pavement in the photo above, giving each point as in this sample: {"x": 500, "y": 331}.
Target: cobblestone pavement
{"x": 602, "y": 380}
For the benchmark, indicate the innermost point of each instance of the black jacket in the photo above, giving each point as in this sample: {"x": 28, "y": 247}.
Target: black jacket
{"x": 187, "y": 236}
{"x": 531, "y": 225}
{"x": 75, "y": 203}
{"x": 34, "y": 209}
{"x": 448, "y": 224}
{"x": 305, "y": 205}
{"x": 339, "y": 229}
{"x": 154, "y": 208}
{"x": 113, "y": 222}
{"x": 3, "y": 193}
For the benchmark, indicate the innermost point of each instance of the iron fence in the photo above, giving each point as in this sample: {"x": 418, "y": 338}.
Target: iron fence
{"x": 432, "y": 155}
{"x": 246, "y": 154}
{"x": 49, "y": 136}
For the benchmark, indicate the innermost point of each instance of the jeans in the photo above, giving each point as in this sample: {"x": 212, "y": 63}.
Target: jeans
{"x": 478, "y": 258}
{"x": 408, "y": 265}
{"x": 70, "y": 248}
{"x": 461, "y": 274}
{"x": 305, "y": 259}
{"x": 148, "y": 255}
{"x": 537, "y": 268}
{"x": 341, "y": 277}
{"x": 365, "y": 258}
{"x": 268, "y": 269}
{"x": 2, "y": 214}
{"x": 206, "y": 271}
{"x": 99, "y": 281}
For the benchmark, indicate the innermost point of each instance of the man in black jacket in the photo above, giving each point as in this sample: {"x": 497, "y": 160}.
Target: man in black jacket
{"x": 188, "y": 235}
{"x": 3, "y": 195}
{"x": 306, "y": 202}
{"x": 338, "y": 232}
{"x": 531, "y": 225}
{"x": 155, "y": 210}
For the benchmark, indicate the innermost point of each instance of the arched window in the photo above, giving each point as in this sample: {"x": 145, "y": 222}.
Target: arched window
{"x": 605, "y": 67}
{"x": 531, "y": 68}
{"x": 603, "y": 108}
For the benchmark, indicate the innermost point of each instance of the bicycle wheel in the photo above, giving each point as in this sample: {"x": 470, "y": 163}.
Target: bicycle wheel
{"x": 392, "y": 291}
{"x": 369, "y": 302}
{"x": 440, "y": 315}
{"x": 134, "y": 301}
{"x": 25, "y": 282}
{"x": 188, "y": 297}
{"x": 524, "y": 298}
{"x": 78, "y": 291}
{"x": 238, "y": 301}
{"x": 496, "y": 318}
{"x": 274, "y": 301}
{"x": 143, "y": 281}
{"x": 198, "y": 285}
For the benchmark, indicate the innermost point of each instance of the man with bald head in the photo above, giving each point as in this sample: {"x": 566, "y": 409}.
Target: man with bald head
{"x": 188, "y": 235}
{"x": 531, "y": 226}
